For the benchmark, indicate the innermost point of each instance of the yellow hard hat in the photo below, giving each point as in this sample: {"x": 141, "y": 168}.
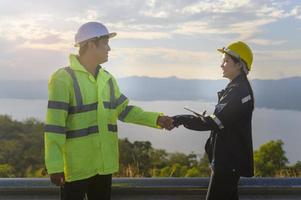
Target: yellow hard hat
{"x": 241, "y": 51}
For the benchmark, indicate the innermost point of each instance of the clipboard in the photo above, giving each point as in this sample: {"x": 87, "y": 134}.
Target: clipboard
{"x": 202, "y": 116}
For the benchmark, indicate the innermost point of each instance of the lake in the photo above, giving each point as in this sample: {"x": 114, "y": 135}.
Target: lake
{"x": 268, "y": 124}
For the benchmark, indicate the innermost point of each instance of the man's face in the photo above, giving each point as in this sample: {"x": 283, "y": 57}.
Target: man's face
{"x": 101, "y": 51}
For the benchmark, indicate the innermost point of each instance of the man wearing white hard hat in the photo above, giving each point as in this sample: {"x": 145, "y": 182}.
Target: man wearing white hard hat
{"x": 81, "y": 141}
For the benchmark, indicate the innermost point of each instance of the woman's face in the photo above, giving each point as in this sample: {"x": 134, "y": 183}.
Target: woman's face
{"x": 229, "y": 67}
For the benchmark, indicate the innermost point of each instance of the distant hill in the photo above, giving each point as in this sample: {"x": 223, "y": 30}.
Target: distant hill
{"x": 276, "y": 94}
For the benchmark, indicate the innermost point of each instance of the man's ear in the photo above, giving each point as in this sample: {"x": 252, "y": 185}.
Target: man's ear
{"x": 91, "y": 45}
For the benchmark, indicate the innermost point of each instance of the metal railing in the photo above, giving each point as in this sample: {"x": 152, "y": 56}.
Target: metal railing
{"x": 154, "y": 188}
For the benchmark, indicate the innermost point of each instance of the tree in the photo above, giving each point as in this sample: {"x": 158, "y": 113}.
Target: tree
{"x": 193, "y": 172}
{"x": 204, "y": 166}
{"x": 166, "y": 172}
{"x": 22, "y": 155}
{"x": 297, "y": 168}
{"x": 178, "y": 171}
{"x": 6, "y": 171}
{"x": 142, "y": 157}
{"x": 179, "y": 158}
{"x": 21, "y": 149}
{"x": 270, "y": 158}
{"x": 159, "y": 158}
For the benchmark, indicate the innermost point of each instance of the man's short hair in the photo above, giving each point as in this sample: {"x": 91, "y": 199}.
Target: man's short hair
{"x": 84, "y": 45}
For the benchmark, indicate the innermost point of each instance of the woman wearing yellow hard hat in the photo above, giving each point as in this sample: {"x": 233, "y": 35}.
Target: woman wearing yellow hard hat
{"x": 229, "y": 146}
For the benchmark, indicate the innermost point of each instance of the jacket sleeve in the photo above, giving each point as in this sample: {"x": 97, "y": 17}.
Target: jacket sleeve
{"x": 228, "y": 111}
{"x": 134, "y": 114}
{"x": 55, "y": 127}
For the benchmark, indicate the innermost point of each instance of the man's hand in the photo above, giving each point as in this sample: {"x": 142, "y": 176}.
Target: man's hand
{"x": 165, "y": 122}
{"x": 58, "y": 179}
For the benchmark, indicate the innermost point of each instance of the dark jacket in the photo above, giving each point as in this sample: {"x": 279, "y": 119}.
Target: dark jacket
{"x": 229, "y": 146}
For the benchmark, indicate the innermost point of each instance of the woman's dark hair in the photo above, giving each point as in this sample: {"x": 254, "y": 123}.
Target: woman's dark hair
{"x": 236, "y": 60}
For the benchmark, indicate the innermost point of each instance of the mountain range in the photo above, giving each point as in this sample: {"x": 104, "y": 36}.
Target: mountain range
{"x": 275, "y": 94}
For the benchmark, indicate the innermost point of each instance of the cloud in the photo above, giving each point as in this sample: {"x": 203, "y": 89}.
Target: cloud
{"x": 163, "y": 28}
{"x": 296, "y": 12}
{"x": 198, "y": 27}
{"x": 162, "y": 62}
{"x": 243, "y": 19}
{"x": 87, "y": 15}
{"x": 42, "y": 46}
{"x": 165, "y": 55}
{"x": 248, "y": 28}
{"x": 34, "y": 32}
{"x": 272, "y": 12}
{"x": 143, "y": 35}
{"x": 221, "y": 6}
{"x": 279, "y": 55}
{"x": 155, "y": 14}
{"x": 29, "y": 28}
{"x": 245, "y": 29}
{"x": 265, "y": 42}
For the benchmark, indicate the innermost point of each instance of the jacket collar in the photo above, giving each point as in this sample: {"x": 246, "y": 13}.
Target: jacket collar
{"x": 77, "y": 66}
{"x": 235, "y": 81}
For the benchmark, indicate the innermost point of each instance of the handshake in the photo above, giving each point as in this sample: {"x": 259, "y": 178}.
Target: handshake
{"x": 169, "y": 123}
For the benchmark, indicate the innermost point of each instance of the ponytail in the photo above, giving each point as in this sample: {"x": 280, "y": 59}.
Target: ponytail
{"x": 249, "y": 87}
{"x": 244, "y": 71}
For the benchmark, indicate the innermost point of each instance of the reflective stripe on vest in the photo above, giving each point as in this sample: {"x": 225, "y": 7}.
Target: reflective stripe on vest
{"x": 113, "y": 104}
{"x": 72, "y": 109}
{"x": 81, "y": 132}
{"x": 125, "y": 112}
{"x": 83, "y": 108}
{"x": 78, "y": 94}
{"x": 55, "y": 129}
{"x": 79, "y": 108}
{"x": 58, "y": 105}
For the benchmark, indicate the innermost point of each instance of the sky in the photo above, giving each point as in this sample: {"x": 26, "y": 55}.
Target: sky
{"x": 157, "y": 38}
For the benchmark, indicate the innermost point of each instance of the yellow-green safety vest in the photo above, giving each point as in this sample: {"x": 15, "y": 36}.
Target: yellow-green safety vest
{"x": 81, "y": 123}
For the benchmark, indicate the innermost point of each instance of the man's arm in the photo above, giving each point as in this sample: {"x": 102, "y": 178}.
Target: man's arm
{"x": 136, "y": 115}
{"x": 55, "y": 129}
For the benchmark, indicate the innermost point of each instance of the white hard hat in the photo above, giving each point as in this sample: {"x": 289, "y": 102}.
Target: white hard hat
{"x": 91, "y": 30}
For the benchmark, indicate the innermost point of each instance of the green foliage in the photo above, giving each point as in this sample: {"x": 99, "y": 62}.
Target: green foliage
{"x": 22, "y": 155}
{"x": 204, "y": 166}
{"x": 297, "y": 169}
{"x": 193, "y": 172}
{"x": 21, "y": 150}
{"x": 6, "y": 171}
{"x": 141, "y": 159}
{"x": 269, "y": 159}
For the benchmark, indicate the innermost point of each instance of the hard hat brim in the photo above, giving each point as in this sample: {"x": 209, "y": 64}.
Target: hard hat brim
{"x": 222, "y": 50}
{"x": 110, "y": 35}
{"x": 229, "y": 52}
